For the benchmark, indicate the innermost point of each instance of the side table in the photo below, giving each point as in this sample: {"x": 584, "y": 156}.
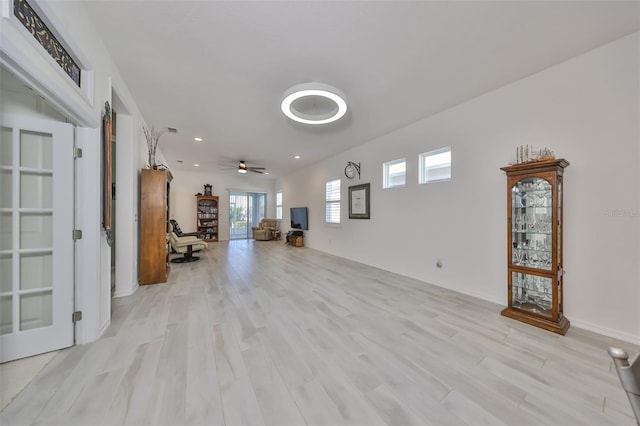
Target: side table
{"x": 295, "y": 240}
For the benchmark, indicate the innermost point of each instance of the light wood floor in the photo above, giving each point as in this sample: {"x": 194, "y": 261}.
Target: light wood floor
{"x": 263, "y": 333}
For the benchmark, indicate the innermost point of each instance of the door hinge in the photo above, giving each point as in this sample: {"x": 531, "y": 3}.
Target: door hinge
{"x": 76, "y": 234}
{"x": 76, "y": 316}
{"x": 77, "y": 153}
{"x": 561, "y": 273}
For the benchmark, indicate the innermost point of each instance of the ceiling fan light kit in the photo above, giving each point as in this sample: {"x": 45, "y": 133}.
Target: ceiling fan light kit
{"x": 243, "y": 168}
{"x": 314, "y": 103}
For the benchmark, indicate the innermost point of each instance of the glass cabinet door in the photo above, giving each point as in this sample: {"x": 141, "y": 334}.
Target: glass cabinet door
{"x": 532, "y": 293}
{"x": 531, "y": 224}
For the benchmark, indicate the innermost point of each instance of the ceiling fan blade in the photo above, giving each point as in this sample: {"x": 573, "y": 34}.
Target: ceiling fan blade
{"x": 241, "y": 165}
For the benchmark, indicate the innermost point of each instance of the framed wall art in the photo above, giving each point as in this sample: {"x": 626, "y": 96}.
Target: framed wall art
{"x": 359, "y": 204}
{"x": 106, "y": 171}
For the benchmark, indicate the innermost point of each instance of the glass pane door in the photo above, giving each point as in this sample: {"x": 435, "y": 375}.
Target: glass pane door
{"x": 36, "y": 214}
{"x": 532, "y": 293}
{"x": 531, "y": 224}
{"x": 246, "y": 210}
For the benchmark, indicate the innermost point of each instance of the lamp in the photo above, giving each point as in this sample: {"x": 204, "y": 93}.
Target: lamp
{"x": 314, "y": 103}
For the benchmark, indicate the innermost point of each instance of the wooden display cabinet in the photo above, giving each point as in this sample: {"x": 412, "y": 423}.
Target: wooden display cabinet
{"x": 207, "y": 216}
{"x": 534, "y": 229}
{"x": 154, "y": 226}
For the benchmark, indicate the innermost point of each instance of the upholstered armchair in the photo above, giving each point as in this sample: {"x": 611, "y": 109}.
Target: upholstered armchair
{"x": 265, "y": 231}
{"x": 186, "y": 246}
{"x": 179, "y": 233}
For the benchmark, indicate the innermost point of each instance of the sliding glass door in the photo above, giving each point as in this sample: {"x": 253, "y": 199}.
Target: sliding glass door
{"x": 246, "y": 210}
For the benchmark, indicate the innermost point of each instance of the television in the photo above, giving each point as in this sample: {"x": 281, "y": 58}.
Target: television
{"x": 299, "y": 218}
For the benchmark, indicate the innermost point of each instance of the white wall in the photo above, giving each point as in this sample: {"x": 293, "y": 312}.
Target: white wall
{"x": 186, "y": 185}
{"x": 586, "y": 110}
{"x": 22, "y": 102}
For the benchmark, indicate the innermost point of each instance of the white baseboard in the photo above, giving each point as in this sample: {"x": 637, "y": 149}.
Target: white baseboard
{"x": 605, "y": 331}
{"x": 125, "y": 293}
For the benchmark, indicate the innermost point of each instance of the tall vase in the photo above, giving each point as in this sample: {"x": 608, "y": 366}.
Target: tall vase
{"x": 152, "y": 159}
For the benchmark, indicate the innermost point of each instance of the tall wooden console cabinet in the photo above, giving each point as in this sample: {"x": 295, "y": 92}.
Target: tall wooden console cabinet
{"x": 154, "y": 226}
{"x": 207, "y": 216}
{"x": 534, "y": 229}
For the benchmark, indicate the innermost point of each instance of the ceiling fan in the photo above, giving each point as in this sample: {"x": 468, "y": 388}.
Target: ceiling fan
{"x": 243, "y": 168}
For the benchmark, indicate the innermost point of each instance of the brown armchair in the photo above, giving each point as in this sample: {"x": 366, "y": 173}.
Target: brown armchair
{"x": 266, "y": 230}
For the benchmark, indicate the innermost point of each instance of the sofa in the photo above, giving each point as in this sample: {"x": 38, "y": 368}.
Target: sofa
{"x": 266, "y": 230}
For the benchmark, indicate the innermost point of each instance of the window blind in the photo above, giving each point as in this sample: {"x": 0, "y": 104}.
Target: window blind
{"x": 332, "y": 201}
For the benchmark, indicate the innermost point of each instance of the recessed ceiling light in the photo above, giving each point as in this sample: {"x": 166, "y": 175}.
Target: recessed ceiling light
{"x": 197, "y": 139}
{"x": 296, "y": 157}
{"x": 314, "y": 103}
{"x": 266, "y": 173}
{"x": 196, "y": 165}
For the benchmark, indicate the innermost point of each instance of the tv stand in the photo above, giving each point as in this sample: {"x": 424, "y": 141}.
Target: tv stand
{"x": 295, "y": 238}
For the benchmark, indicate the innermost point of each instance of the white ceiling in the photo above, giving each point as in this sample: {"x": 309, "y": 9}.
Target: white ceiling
{"x": 218, "y": 70}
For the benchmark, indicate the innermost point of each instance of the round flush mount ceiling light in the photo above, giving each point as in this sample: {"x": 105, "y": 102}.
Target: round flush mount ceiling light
{"x": 314, "y": 103}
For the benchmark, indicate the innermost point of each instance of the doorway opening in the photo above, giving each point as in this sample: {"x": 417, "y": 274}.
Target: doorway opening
{"x": 124, "y": 160}
{"x": 246, "y": 210}
{"x": 37, "y": 203}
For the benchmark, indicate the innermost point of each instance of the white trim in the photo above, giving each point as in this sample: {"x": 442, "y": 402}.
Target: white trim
{"x": 126, "y": 225}
{"x": 24, "y": 57}
{"x": 55, "y": 25}
{"x": 605, "y": 331}
{"x": 88, "y": 263}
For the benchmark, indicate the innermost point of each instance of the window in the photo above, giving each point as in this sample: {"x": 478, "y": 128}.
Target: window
{"x": 279, "y": 205}
{"x": 35, "y": 25}
{"x": 435, "y": 166}
{"x": 332, "y": 202}
{"x": 394, "y": 173}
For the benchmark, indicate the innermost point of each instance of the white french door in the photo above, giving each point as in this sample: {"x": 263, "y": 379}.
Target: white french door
{"x": 36, "y": 245}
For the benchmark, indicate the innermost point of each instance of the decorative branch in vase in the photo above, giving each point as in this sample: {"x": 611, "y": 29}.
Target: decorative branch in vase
{"x": 153, "y": 136}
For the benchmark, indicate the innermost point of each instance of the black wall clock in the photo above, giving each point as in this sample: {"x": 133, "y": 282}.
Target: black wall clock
{"x": 352, "y": 170}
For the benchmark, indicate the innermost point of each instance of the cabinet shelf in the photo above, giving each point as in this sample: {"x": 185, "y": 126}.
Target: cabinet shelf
{"x": 532, "y": 265}
{"x": 532, "y": 232}
{"x": 207, "y": 216}
{"x": 534, "y": 258}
